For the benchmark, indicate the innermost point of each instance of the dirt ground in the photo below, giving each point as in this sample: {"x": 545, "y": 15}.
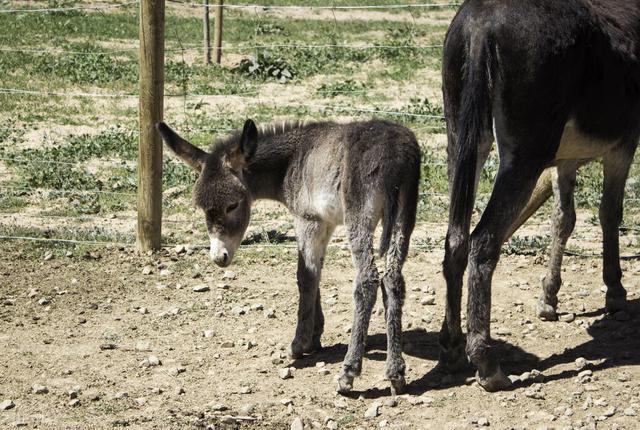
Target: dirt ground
{"x": 90, "y": 327}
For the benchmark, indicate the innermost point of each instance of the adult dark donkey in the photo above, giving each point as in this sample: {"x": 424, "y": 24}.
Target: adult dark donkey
{"x": 326, "y": 174}
{"x": 555, "y": 82}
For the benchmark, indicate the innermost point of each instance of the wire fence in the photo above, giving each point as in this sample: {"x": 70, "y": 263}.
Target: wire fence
{"x": 248, "y": 97}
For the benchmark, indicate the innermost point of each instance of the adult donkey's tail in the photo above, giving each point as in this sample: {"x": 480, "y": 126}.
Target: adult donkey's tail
{"x": 473, "y": 122}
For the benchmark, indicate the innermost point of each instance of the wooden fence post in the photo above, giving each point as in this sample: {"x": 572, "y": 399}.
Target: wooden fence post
{"x": 207, "y": 37}
{"x": 217, "y": 33}
{"x": 151, "y": 94}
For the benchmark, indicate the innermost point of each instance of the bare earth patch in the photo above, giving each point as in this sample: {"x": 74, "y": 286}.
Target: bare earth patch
{"x": 90, "y": 329}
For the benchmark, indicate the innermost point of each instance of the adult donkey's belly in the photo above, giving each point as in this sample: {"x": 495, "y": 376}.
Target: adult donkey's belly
{"x": 576, "y": 145}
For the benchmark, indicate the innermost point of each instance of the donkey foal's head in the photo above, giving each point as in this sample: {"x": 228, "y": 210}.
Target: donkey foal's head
{"x": 220, "y": 190}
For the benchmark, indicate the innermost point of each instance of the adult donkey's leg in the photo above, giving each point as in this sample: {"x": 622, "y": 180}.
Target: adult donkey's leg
{"x": 564, "y": 220}
{"x": 312, "y": 238}
{"x": 616, "y": 169}
{"x": 451, "y": 339}
{"x": 365, "y": 285}
{"x": 514, "y": 184}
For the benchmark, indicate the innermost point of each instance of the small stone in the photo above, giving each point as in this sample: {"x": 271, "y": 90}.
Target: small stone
{"x": 247, "y": 410}
{"x": 483, "y": 422}
{"x": 143, "y": 345}
{"x": 245, "y": 390}
{"x": 219, "y": 407}
{"x": 39, "y": 389}
{"x": 20, "y": 424}
{"x": 609, "y": 412}
{"x": 332, "y": 425}
{"x": 175, "y": 371}
{"x": 630, "y": 412}
{"x": 229, "y": 275}
{"x": 224, "y": 286}
{"x": 44, "y": 301}
{"x": 324, "y": 371}
{"x": 502, "y": 332}
{"x": 140, "y": 401}
{"x": 624, "y": 377}
{"x": 6, "y": 405}
{"x": 108, "y": 346}
{"x": 391, "y": 403}
{"x": 270, "y": 313}
{"x": 48, "y": 256}
{"x": 238, "y": 311}
{"x": 32, "y": 293}
{"x": 297, "y": 424}
{"x": 73, "y": 394}
{"x": 179, "y": 249}
{"x": 372, "y": 411}
{"x": 154, "y": 361}
{"x": 581, "y": 363}
{"x": 227, "y": 344}
{"x": 147, "y": 270}
{"x": 340, "y": 403}
{"x": 74, "y": 403}
{"x": 567, "y": 318}
{"x": 285, "y": 373}
{"x": 428, "y": 301}
{"x": 420, "y": 400}
{"x": 201, "y": 288}
{"x": 208, "y": 333}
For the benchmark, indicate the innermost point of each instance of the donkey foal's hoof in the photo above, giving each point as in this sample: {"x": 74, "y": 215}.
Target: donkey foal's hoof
{"x": 344, "y": 383}
{"x": 398, "y": 385}
{"x": 546, "y": 312}
{"x": 496, "y": 382}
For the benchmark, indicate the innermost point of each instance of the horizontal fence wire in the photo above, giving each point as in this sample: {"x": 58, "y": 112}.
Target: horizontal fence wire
{"x": 70, "y": 8}
{"x": 240, "y": 47}
{"x": 256, "y": 100}
{"x": 320, "y": 7}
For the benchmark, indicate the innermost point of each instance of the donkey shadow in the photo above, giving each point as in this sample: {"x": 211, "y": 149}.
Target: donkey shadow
{"x": 613, "y": 343}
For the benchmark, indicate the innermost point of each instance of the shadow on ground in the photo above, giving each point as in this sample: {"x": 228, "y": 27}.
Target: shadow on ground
{"x": 614, "y": 343}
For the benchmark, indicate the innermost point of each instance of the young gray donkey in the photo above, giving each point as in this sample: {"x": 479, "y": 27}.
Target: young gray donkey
{"x": 326, "y": 174}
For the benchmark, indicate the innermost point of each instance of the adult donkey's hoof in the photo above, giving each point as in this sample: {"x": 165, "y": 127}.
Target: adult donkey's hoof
{"x": 546, "y": 312}
{"x": 297, "y": 350}
{"x": 615, "y": 304}
{"x": 495, "y": 382}
{"x": 344, "y": 383}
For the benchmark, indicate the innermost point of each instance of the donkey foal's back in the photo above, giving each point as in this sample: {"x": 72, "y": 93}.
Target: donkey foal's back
{"x": 326, "y": 174}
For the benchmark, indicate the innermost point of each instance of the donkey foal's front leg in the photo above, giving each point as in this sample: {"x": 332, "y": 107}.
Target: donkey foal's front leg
{"x": 312, "y": 242}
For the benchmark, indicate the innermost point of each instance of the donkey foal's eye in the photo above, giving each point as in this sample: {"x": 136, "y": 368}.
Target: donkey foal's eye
{"x": 232, "y": 207}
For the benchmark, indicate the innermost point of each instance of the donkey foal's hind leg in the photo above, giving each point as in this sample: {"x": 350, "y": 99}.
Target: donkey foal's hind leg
{"x": 564, "y": 220}
{"x": 365, "y": 286}
{"x": 312, "y": 243}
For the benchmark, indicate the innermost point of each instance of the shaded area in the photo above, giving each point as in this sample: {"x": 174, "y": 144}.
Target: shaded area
{"x": 614, "y": 343}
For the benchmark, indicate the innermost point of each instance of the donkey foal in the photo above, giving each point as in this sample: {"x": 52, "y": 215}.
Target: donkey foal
{"x": 326, "y": 174}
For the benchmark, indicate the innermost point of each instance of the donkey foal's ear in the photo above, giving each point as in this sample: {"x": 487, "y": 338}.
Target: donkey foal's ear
{"x": 249, "y": 139}
{"x": 187, "y": 152}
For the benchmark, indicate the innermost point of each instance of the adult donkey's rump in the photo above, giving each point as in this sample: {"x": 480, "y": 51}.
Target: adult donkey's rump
{"x": 557, "y": 82}
{"x": 326, "y": 174}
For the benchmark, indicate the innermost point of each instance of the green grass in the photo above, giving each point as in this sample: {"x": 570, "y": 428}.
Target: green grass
{"x": 101, "y": 177}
